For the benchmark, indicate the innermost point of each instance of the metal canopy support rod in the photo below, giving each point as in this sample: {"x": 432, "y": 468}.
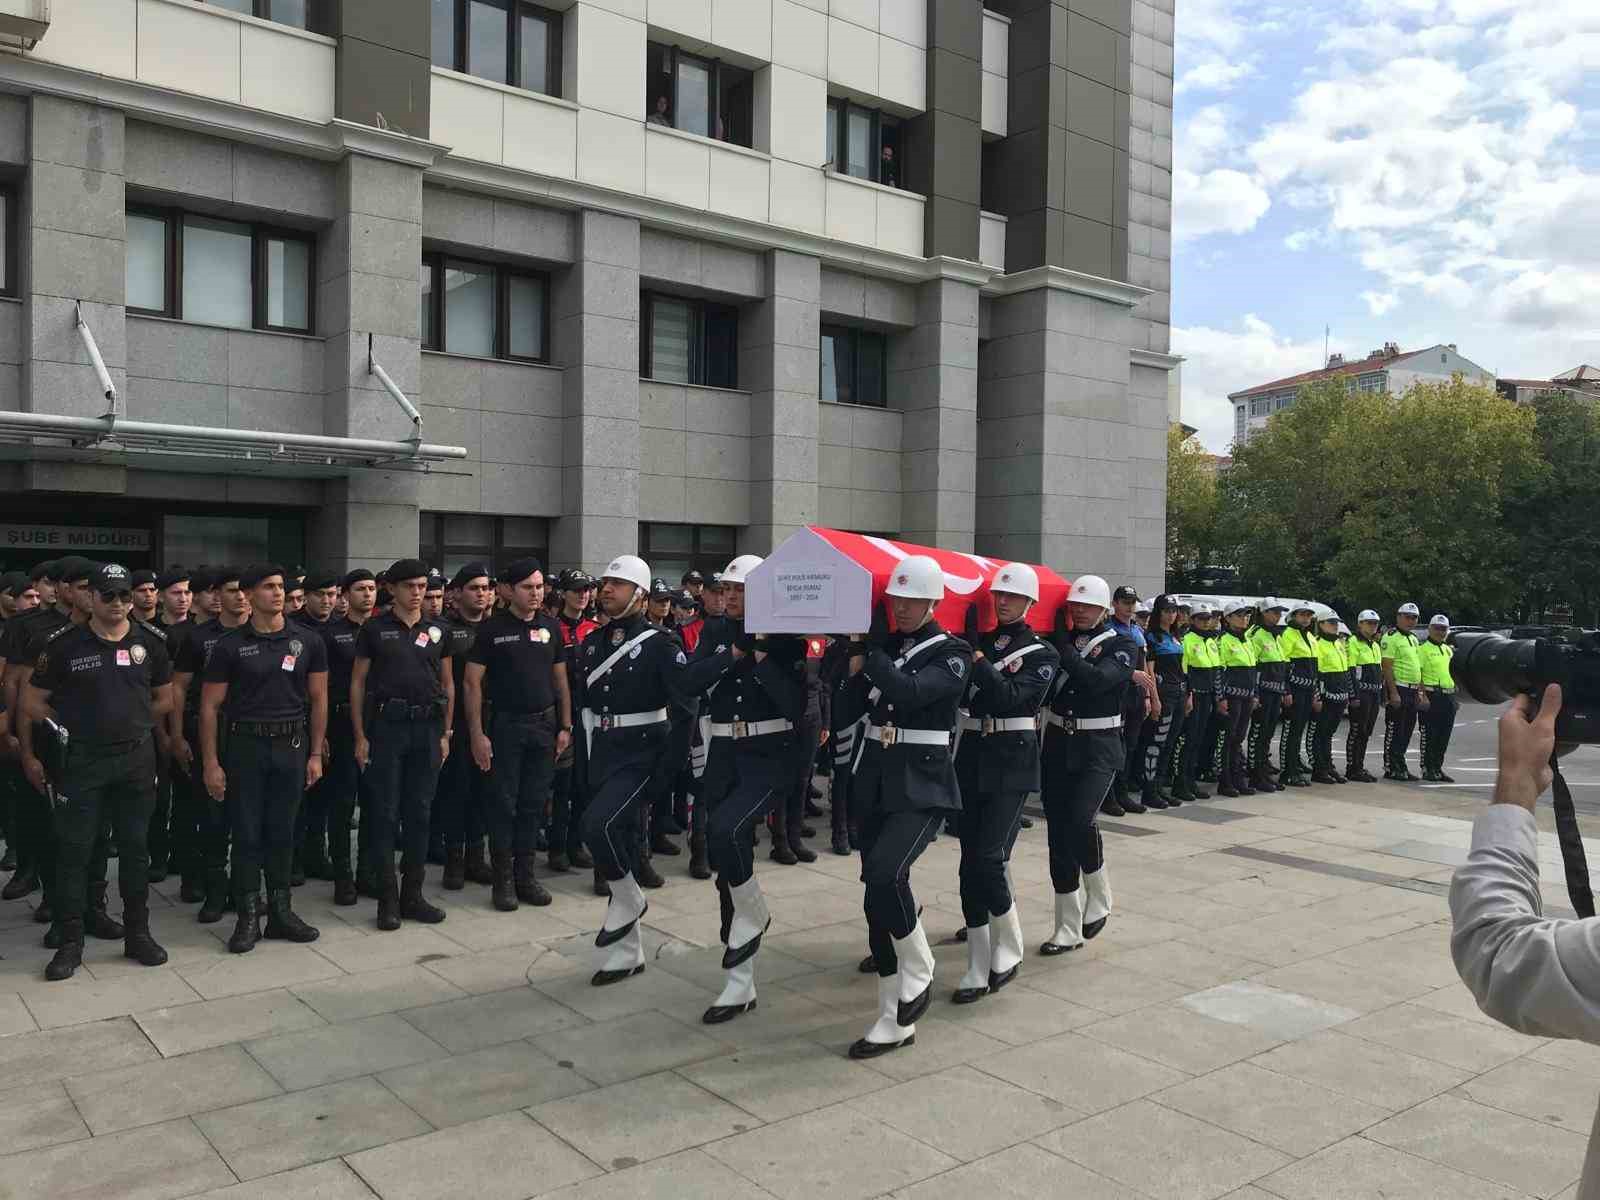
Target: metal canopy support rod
{"x": 389, "y": 385}
{"x": 86, "y": 336}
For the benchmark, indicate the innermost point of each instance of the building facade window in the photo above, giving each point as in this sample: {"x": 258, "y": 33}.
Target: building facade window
{"x": 310, "y": 15}
{"x": 672, "y": 550}
{"x": 699, "y": 95}
{"x": 854, "y": 366}
{"x": 1260, "y": 406}
{"x": 8, "y": 240}
{"x": 864, "y": 143}
{"x": 484, "y": 309}
{"x": 1239, "y": 422}
{"x": 689, "y": 341}
{"x": 450, "y": 541}
{"x": 217, "y": 272}
{"x": 504, "y": 41}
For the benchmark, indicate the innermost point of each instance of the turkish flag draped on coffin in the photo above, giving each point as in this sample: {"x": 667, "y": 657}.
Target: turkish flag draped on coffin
{"x": 827, "y": 581}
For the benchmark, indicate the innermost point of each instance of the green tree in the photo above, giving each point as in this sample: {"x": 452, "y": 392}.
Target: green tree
{"x": 1554, "y": 517}
{"x": 1191, "y": 508}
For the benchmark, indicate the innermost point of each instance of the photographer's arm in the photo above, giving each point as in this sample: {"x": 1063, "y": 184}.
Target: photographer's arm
{"x": 1537, "y": 975}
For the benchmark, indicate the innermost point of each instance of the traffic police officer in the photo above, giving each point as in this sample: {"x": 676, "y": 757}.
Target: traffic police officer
{"x": 343, "y": 780}
{"x": 265, "y": 682}
{"x": 570, "y": 791}
{"x": 1403, "y": 694}
{"x": 1202, "y": 667}
{"x": 1438, "y": 716}
{"x": 997, "y": 765}
{"x": 108, "y": 683}
{"x": 1238, "y": 697}
{"x": 518, "y": 673}
{"x": 461, "y": 805}
{"x": 1333, "y": 694}
{"x": 1083, "y": 743}
{"x": 905, "y": 786}
{"x": 756, "y": 689}
{"x": 633, "y": 672}
{"x": 1366, "y": 669}
{"x": 1160, "y": 738}
{"x": 1273, "y": 668}
{"x": 1299, "y": 649}
{"x": 402, "y": 699}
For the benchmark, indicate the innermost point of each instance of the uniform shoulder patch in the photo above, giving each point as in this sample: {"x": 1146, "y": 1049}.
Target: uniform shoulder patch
{"x": 59, "y": 632}
{"x": 154, "y": 630}
{"x": 1123, "y": 657}
{"x": 1047, "y": 672}
{"x": 682, "y": 659}
{"x": 957, "y": 665}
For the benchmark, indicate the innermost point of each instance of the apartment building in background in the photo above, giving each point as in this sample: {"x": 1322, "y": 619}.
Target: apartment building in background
{"x": 674, "y": 275}
{"x": 1388, "y": 369}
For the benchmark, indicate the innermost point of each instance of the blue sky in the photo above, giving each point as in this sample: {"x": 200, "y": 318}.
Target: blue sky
{"x": 1416, "y": 171}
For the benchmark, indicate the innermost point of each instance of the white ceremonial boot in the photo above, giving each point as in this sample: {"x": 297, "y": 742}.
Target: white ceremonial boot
{"x": 886, "y": 1033}
{"x": 915, "y": 975}
{"x": 1097, "y": 901}
{"x": 750, "y": 920}
{"x": 1069, "y": 924}
{"x": 1006, "y": 934}
{"x": 738, "y": 994}
{"x": 974, "y": 985}
{"x": 623, "y": 910}
{"x": 624, "y": 958}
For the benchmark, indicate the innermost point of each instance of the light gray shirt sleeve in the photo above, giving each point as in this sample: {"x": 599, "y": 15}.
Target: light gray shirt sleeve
{"x": 1538, "y": 976}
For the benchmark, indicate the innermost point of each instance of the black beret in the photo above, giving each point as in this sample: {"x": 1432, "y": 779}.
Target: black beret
{"x": 316, "y": 581}
{"x": 252, "y": 575}
{"x": 407, "y": 568}
{"x": 294, "y": 583}
{"x": 473, "y": 570}
{"x": 72, "y": 569}
{"x": 222, "y": 576}
{"x": 44, "y": 570}
{"x": 173, "y": 575}
{"x": 142, "y": 577}
{"x": 359, "y": 575}
{"x": 520, "y": 569}
{"x": 14, "y": 582}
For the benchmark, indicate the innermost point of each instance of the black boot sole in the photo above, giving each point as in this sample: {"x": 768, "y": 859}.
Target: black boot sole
{"x": 721, "y": 1014}
{"x": 998, "y": 981}
{"x": 865, "y": 1049}
{"x": 968, "y": 995}
{"x": 1051, "y": 949}
{"x": 607, "y": 978}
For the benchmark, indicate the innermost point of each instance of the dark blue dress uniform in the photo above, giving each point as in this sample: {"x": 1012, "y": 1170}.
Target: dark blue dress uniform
{"x": 100, "y": 691}
{"x": 405, "y": 710}
{"x": 215, "y": 829}
{"x": 905, "y": 777}
{"x": 997, "y": 762}
{"x": 34, "y": 825}
{"x": 1083, "y": 751}
{"x": 263, "y": 744}
{"x": 460, "y": 806}
{"x": 343, "y": 780}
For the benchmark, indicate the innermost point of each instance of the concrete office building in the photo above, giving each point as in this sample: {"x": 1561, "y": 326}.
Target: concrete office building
{"x": 681, "y": 275}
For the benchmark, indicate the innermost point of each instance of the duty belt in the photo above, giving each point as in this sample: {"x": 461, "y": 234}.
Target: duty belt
{"x": 987, "y": 725}
{"x": 605, "y": 721}
{"x": 1081, "y": 724}
{"x": 1438, "y": 687}
{"x": 749, "y": 729}
{"x": 401, "y": 710}
{"x": 893, "y": 735}
{"x": 268, "y": 729}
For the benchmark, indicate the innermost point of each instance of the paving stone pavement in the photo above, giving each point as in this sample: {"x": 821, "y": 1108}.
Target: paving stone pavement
{"x": 1270, "y": 1012}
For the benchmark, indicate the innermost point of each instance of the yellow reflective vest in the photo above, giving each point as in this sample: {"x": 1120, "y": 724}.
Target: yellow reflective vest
{"x": 1434, "y": 660}
{"x": 1401, "y": 648}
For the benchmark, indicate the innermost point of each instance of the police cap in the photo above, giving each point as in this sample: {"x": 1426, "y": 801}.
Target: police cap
{"x": 142, "y": 577}
{"x": 515, "y": 572}
{"x": 258, "y": 573}
{"x": 173, "y": 575}
{"x": 659, "y": 590}
{"x": 435, "y": 580}
{"x": 692, "y": 576}
{"x": 359, "y": 575}
{"x": 473, "y": 570}
{"x": 714, "y": 584}
{"x": 406, "y": 568}
{"x": 573, "y": 580}
{"x": 685, "y": 599}
{"x": 110, "y": 577}
{"x": 1125, "y": 592}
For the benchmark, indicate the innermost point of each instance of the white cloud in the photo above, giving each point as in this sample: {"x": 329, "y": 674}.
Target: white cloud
{"x": 1379, "y": 303}
{"x": 1221, "y": 201}
{"x": 1214, "y": 75}
{"x": 1219, "y": 361}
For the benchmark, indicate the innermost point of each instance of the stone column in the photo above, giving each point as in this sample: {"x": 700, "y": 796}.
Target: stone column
{"x": 597, "y": 342}
{"x": 945, "y": 143}
{"x": 779, "y": 345}
{"x": 933, "y": 380}
{"x": 367, "y": 281}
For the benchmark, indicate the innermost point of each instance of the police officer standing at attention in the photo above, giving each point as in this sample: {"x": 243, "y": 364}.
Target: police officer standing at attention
{"x": 402, "y": 699}
{"x": 1366, "y": 670}
{"x": 461, "y": 805}
{"x": 518, "y": 674}
{"x": 343, "y": 781}
{"x": 1333, "y": 693}
{"x": 32, "y": 819}
{"x": 1202, "y": 666}
{"x": 1274, "y": 685}
{"x": 1438, "y": 716}
{"x": 1298, "y": 643}
{"x": 633, "y": 673}
{"x": 1403, "y": 694}
{"x": 997, "y": 765}
{"x": 1160, "y": 739}
{"x": 905, "y": 786}
{"x": 145, "y": 596}
{"x": 108, "y": 683}
{"x": 1238, "y": 698}
{"x": 265, "y": 682}
{"x": 1083, "y": 745}
{"x": 311, "y": 825}
{"x": 570, "y": 791}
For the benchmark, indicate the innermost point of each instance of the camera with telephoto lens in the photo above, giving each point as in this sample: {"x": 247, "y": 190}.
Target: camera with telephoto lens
{"x": 1492, "y": 668}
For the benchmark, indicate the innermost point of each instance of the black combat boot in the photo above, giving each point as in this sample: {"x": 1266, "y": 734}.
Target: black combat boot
{"x": 699, "y": 866}
{"x": 455, "y": 868}
{"x": 529, "y": 889}
{"x": 778, "y": 823}
{"x": 23, "y": 883}
{"x": 97, "y": 923}
{"x": 137, "y": 943}
{"x": 283, "y": 924}
{"x": 246, "y": 925}
{"x": 477, "y": 866}
{"x": 193, "y": 888}
{"x": 558, "y": 862}
{"x": 413, "y": 907}
{"x": 580, "y": 858}
{"x": 503, "y": 891}
{"x": 388, "y": 900}
{"x": 69, "y": 956}
{"x": 647, "y": 875}
{"x": 601, "y": 887}
{"x": 216, "y": 901}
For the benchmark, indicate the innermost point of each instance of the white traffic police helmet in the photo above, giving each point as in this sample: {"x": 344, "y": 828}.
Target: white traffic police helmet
{"x": 738, "y": 571}
{"x": 629, "y": 568}
{"x": 1090, "y": 589}
{"x": 917, "y": 577}
{"x": 1019, "y": 579}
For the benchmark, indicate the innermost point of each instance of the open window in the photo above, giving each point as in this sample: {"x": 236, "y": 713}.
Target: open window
{"x": 504, "y": 41}
{"x": 865, "y": 143}
{"x": 699, "y": 95}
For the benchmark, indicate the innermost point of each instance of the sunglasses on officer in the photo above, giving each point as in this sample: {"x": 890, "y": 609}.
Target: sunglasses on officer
{"x": 125, "y": 596}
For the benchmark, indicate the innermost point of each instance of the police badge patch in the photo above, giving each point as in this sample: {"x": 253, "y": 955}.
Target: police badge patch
{"x": 1046, "y": 672}
{"x": 682, "y": 661}
{"x": 637, "y": 650}
{"x": 434, "y": 633}
{"x": 137, "y": 653}
{"x": 1124, "y": 658}
{"x": 295, "y": 646}
{"x": 616, "y": 637}
{"x": 1001, "y": 642}
{"x": 956, "y": 665}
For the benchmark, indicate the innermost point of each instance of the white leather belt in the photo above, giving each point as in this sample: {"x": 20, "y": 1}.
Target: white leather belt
{"x": 605, "y": 721}
{"x": 744, "y": 729}
{"x": 1081, "y": 724}
{"x": 999, "y": 724}
{"x": 891, "y": 735}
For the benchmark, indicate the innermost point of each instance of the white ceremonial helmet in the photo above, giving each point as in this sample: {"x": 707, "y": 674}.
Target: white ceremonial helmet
{"x": 1090, "y": 589}
{"x": 739, "y": 569}
{"x": 917, "y": 577}
{"x": 629, "y": 568}
{"x": 1017, "y": 578}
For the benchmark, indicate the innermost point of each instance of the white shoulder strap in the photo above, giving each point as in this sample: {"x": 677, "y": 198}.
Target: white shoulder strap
{"x": 599, "y": 672}
{"x": 872, "y": 696}
{"x": 1016, "y": 654}
{"x": 1104, "y": 637}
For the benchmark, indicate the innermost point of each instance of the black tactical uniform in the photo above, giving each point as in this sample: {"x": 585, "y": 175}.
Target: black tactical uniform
{"x": 461, "y": 805}
{"x": 343, "y": 781}
{"x": 262, "y": 745}
{"x": 104, "y": 694}
{"x": 311, "y": 822}
{"x": 404, "y": 721}
{"x": 569, "y": 793}
{"x": 1083, "y": 748}
{"x": 997, "y": 765}
{"x": 174, "y": 828}
{"x": 521, "y": 720}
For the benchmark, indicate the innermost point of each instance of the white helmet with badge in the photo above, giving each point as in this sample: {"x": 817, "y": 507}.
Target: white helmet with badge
{"x": 1018, "y": 579}
{"x": 917, "y": 577}
{"x": 629, "y": 568}
{"x": 1090, "y": 589}
{"x": 738, "y": 571}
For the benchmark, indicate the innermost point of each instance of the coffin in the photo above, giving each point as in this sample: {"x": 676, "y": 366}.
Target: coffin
{"x": 827, "y": 581}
